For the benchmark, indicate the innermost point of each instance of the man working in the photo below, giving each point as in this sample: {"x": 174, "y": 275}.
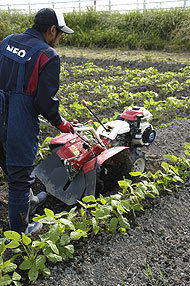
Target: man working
{"x": 29, "y": 80}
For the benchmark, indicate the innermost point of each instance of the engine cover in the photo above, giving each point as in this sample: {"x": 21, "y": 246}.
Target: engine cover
{"x": 131, "y": 113}
{"x": 114, "y": 128}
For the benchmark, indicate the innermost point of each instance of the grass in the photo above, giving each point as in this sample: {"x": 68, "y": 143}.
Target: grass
{"x": 125, "y": 55}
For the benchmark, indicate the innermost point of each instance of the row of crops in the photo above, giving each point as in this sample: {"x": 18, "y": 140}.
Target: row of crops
{"x": 110, "y": 89}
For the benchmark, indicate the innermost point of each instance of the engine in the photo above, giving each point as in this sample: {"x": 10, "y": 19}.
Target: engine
{"x": 131, "y": 128}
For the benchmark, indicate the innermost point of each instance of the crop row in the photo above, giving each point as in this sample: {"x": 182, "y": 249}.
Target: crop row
{"x": 111, "y": 89}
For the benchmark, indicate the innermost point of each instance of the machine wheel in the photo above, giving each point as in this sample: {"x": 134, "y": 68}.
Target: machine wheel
{"x": 137, "y": 159}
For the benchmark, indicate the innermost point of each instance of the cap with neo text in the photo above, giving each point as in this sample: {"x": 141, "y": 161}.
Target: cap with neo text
{"x": 49, "y": 17}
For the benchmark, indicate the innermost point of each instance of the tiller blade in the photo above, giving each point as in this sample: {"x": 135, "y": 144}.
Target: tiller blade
{"x": 53, "y": 174}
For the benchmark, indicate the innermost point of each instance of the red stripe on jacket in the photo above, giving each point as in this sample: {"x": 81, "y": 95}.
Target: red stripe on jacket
{"x": 33, "y": 82}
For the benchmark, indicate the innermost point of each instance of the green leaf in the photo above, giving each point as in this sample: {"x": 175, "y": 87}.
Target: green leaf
{"x": 113, "y": 223}
{"x": 95, "y": 226}
{"x": 33, "y": 273}
{"x": 26, "y": 264}
{"x": 135, "y": 174}
{"x": 13, "y": 244}
{"x": 83, "y": 205}
{"x": 5, "y": 264}
{"x": 48, "y": 220}
{"x": 72, "y": 213}
{"x": 46, "y": 272}
{"x": 165, "y": 166}
{"x": 125, "y": 204}
{"x": 26, "y": 240}
{"x": 38, "y": 217}
{"x": 171, "y": 158}
{"x": 138, "y": 207}
{"x": 154, "y": 189}
{"x": 59, "y": 215}
{"x": 102, "y": 200}
{"x": 53, "y": 246}
{"x": 40, "y": 261}
{"x": 82, "y": 211}
{"x": 123, "y": 222}
{"x": 116, "y": 197}
{"x": 69, "y": 248}
{"x": 53, "y": 233}
{"x": 76, "y": 235}
{"x": 48, "y": 212}
{"x": 138, "y": 192}
{"x": 54, "y": 258}
{"x": 1, "y": 260}
{"x": 103, "y": 213}
{"x": 65, "y": 239}
{"x": 178, "y": 179}
{"x": 89, "y": 199}
{"x": 84, "y": 226}
{"x": 11, "y": 267}
{"x": 2, "y": 248}
{"x": 121, "y": 209}
{"x": 12, "y": 235}
{"x": 16, "y": 276}
{"x": 150, "y": 195}
{"x": 67, "y": 222}
{"x": 5, "y": 280}
{"x": 40, "y": 244}
{"x": 46, "y": 250}
{"x": 123, "y": 184}
{"x": 17, "y": 283}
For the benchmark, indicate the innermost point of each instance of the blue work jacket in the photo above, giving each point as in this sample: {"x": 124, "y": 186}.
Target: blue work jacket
{"x": 29, "y": 80}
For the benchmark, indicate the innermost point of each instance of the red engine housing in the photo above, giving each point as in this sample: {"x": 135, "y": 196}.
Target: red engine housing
{"x": 131, "y": 113}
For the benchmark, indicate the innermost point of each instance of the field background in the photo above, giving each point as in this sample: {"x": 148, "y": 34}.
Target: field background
{"x": 111, "y": 62}
{"x": 167, "y": 30}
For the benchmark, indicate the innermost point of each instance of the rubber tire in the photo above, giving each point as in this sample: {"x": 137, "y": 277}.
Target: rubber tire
{"x": 138, "y": 161}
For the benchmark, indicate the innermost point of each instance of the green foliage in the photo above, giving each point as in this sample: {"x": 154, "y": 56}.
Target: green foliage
{"x": 151, "y": 29}
{"x": 94, "y": 215}
{"x": 32, "y": 255}
{"x": 14, "y": 23}
{"x": 115, "y": 88}
{"x": 43, "y": 150}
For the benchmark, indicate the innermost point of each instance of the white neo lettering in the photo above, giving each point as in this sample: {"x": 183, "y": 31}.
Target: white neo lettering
{"x": 14, "y": 50}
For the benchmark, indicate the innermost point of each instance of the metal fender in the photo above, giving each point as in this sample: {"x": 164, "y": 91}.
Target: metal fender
{"x": 105, "y": 155}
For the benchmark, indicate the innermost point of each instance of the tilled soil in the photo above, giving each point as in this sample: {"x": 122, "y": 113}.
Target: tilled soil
{"x": 159, "y": 237}
{"x": 158, "y": 240}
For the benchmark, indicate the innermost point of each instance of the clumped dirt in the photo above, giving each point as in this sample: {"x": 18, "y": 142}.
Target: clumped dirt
{"x": 159, "y": 237}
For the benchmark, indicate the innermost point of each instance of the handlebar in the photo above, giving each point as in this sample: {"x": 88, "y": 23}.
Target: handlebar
{"x": 89, "y": 128}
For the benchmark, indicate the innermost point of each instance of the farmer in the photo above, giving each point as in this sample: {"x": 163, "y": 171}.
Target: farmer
{"x": 29, "y": 80}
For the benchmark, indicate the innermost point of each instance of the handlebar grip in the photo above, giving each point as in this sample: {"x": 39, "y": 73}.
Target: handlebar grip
{"x": 84, "y": 103}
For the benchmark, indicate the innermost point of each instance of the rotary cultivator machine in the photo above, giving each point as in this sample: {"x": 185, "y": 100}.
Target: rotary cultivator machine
{"x": 88, "y": 161}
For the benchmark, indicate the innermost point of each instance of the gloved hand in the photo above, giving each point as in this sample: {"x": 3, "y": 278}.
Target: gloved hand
{"x": 66, "y": 127}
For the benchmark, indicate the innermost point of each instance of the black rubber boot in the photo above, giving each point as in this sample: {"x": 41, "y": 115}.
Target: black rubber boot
{"x": 36, "y": 201}
{"x": 18, "y": 210}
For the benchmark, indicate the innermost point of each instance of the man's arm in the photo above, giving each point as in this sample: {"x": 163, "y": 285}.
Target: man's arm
{"x": 48, "y": 84}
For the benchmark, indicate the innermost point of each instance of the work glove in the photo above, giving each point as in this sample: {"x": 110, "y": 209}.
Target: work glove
{"x": 66, "y": 127}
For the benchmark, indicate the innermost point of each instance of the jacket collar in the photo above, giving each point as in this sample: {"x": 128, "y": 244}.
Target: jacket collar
{"x": 35, "y": 34}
